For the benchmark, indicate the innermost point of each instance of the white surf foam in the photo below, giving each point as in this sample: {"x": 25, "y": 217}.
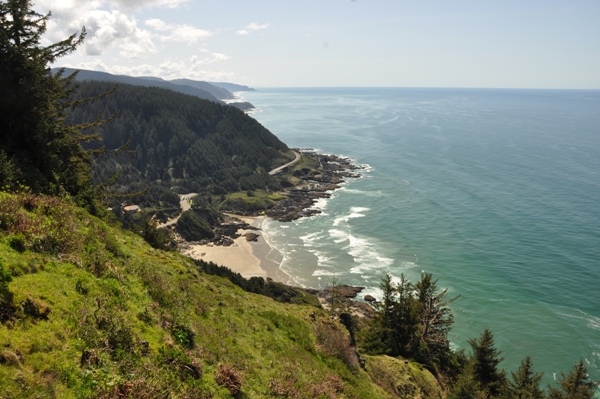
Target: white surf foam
{"x": 366, "y": 256}
{"x": 355, "y": 212}
{"x": 311, "y": 238}
{"x": 338, "y": 236}
{"x": 321, "y": 273}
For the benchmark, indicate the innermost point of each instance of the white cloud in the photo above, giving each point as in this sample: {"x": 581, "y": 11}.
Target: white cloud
{"x": 157, "y": 24}
{"x": 110, "y": 28}
{"x": 111, "y": 24}
{"x": 76, "y": 7}
{"x": 251, "y": 28}
{"x": 178, "y": 33}
{"x": 115, "y": 37}
{"x": 95, "y": 65}
{"x": 136, "y": 4}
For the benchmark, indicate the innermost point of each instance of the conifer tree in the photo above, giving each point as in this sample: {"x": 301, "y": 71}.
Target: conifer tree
{"x": 525, "y": 383}
{"x": 38, "y": 149}
{"x": 435, "y": 317}
{"x": 575, "y": 385}
{"x": 485, "y": 360}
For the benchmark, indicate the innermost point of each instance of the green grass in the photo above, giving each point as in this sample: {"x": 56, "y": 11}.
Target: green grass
{"x": 126, "y": 319}
{"x": 402, "y": 378}
{"x": 257, "y": 201}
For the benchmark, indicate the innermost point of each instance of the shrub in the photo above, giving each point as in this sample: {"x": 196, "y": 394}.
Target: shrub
{"x": 230, "y": 379}
{"x": 35, "y": 308}
{"x": 81, "y": 287}
{"x": 18, "y": 242}
{"x": 9, "y": 358}
{"x": 183, "y": 336}
{"x": 335, "y": 343}
{"x": 186, "y": 365}
{"x": 192, "y": 227}
{"x": 6, "y": 297}
{"x": 39, "y": 223}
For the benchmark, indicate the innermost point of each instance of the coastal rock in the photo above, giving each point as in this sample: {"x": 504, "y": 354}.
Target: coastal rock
{"x": 370, "y": 298}
{"x": 251, "y": 237}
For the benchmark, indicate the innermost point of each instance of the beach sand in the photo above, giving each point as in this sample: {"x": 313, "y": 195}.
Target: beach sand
{"x": 246, "y": 258}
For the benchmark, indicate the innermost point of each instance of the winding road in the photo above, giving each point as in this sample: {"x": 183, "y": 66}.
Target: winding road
{"x": 185, "y": 204}
{"x": 279, "y": 169}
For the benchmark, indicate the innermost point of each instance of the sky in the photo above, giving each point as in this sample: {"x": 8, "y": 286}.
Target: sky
{"x": 332, "y": 43}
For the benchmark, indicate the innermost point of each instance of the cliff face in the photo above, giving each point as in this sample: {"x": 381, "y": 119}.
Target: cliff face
{"x": 92, "y": 311}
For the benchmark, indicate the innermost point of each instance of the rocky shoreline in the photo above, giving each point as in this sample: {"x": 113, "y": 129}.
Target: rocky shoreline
{"x": 330, "y": 174}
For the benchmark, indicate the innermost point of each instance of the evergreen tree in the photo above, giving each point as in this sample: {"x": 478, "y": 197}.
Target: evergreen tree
{"x": 466, "y": 387}
{"x": 434, "y": 316}
{"x": 378, "y": 339}
{"x": 485, "y": 360}
{"x": 38, "y": 149}
{"x": 525, "y": 383}
{"x": 411, "y": 320}
{"x": 576, "y": 385}
{"x": 406, "y": 319}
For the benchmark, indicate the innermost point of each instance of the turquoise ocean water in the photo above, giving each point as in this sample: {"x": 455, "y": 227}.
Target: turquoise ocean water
{"x": 495, "y": 192}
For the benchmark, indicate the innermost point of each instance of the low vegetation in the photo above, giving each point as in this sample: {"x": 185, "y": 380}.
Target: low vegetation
{"x": 102, "y": 314}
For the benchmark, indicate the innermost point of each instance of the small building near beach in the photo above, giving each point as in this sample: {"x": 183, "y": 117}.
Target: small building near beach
{"x": 132, "y": 209}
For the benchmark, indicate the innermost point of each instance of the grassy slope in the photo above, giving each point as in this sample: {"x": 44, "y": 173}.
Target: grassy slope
{"x": 127, "y": 320}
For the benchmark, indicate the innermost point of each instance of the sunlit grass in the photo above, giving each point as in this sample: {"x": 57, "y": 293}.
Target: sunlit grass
{"x": 125, "y": 318}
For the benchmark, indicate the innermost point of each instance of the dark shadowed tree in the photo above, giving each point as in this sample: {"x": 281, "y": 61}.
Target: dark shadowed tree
{"x": 38, "y": 149}
{"x": 435, "y": 318}
{"x": 525, "y": 383}
{"x": 485, "y": 361}
{"x": 575, "y": 385}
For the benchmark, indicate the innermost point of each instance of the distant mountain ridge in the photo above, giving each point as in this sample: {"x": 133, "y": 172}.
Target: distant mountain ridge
{"x": 146, "y": 82}
{"x": 232, "y": 87}
{"x": 216, "y": 91}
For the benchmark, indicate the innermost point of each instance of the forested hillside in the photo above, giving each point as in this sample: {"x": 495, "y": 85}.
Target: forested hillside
{"x": 179, "y": 141}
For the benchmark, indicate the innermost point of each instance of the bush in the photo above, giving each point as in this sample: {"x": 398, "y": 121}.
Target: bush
{"x": 185, "y": 365}
{"x": 183, "y": 336}
{"x": 192, "y": 227}
{"x": 6, "y": 297}
{"x": 335, "y": 343}
{"x": 35, "y": 308}
{"x": 230, "y": 379}
{"x": 38, "y": 223}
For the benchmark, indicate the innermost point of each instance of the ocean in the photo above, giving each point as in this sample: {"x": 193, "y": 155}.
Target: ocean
{"x": 496, "y": 192}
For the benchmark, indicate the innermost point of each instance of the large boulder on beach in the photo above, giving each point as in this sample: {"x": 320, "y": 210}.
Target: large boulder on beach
{"x": 251, "y": 237}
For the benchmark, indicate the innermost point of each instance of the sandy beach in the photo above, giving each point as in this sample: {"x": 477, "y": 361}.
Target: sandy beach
{"x": 244, "y": 257}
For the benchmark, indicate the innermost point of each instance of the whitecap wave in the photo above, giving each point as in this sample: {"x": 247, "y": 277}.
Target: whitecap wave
{"x": 366, "y": 255}
{"x": 355, "y": 212}
{"x": 312, "y": 237}
{"x": 321, "y": 273}
{"x": 338, "y": 236}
